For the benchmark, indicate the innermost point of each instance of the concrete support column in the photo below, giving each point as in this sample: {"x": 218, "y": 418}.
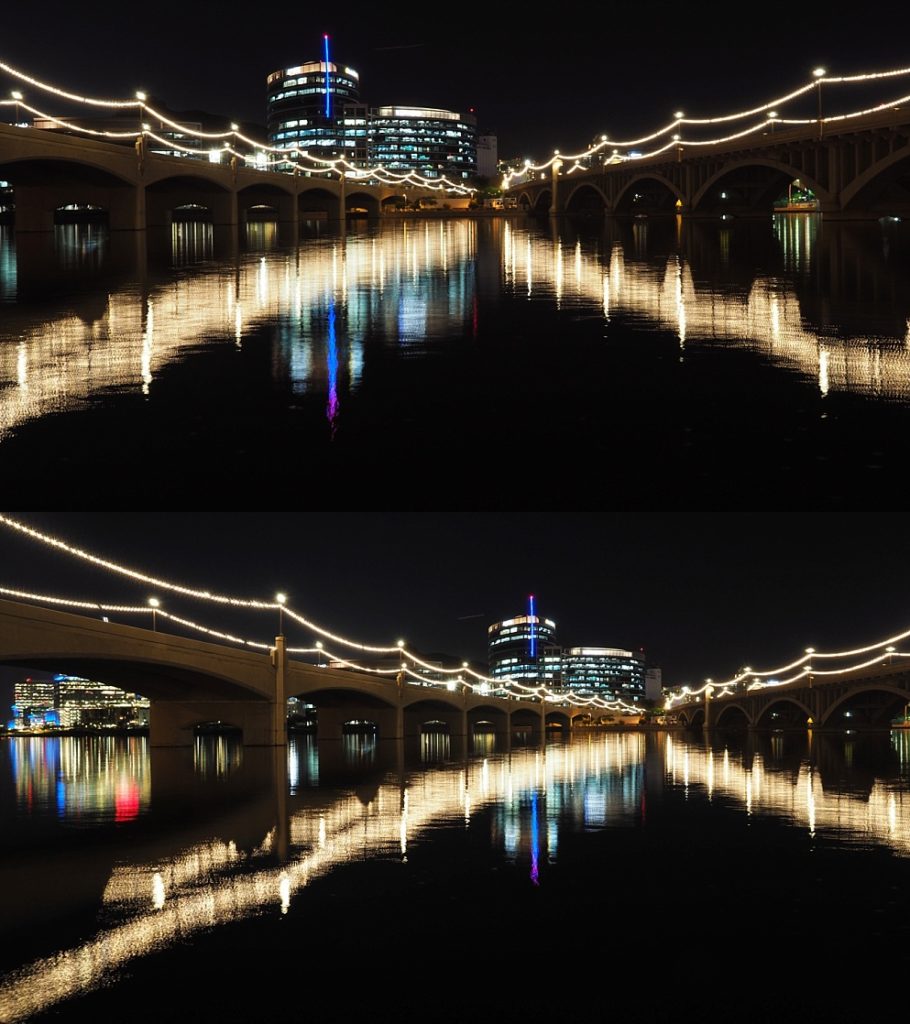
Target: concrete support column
{"x": 342, "y": 199}
{"x": 709, "y": 709}
{"x": 557, "y": 206}
{"x": 280, "y": 707}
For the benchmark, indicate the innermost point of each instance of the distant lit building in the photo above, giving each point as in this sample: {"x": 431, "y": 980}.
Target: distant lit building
{"x": 487, "y": 159}
{"x": 84, "y": 702}
{"x": 608, "y": 672}
{"x": 434, "y": 143}
{"x": 34, "y": 703}
{"x": 654, "y": 684}
{"x": 315, "y": 108}
{"x": 524, "y": 648}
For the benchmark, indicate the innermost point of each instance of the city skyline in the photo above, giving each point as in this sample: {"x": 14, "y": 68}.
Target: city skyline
{"x": 533, "y": 97}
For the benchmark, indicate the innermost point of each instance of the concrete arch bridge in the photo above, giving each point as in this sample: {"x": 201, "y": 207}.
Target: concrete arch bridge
{"x": 858, "y": 168}
{"x": 139, "y": 189}
{"x": 191, "y": 682}
{"x": 869, "y": 698}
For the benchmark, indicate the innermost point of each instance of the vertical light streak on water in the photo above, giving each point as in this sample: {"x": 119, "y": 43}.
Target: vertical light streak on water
{"x": 284, "y": 891}
{"x": 535, "y": 840}
{"x": 158, "y": 892}
{"x": 558, "y": 274}
{"x": 22, "y": 366}
{"x": 262, "y": 283}
{"x": 332, "y": 366}
{"x": 680, "y": 305}
{"x": 810, "y": 802}
{"x": 293, "y": 769}
{"x": 146, "y": 358}
{"x": 528, "y": 266}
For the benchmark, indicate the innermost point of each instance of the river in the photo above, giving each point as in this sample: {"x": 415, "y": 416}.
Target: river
{"x": 640, "y": 876}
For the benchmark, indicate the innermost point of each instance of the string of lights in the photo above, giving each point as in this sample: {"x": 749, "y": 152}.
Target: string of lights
{"x": 294, "y": 157}
{"x": 485, "y": 683}
{"x": 770, "y": 108}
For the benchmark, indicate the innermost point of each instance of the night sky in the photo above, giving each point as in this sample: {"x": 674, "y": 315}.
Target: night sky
{"x": 537, "y": 82}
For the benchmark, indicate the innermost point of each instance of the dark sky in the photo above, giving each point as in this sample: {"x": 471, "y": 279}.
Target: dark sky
{"x": 538, "y": 80}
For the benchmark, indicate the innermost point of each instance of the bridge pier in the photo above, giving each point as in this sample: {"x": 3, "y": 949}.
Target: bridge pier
{"x": 172, "y": 723}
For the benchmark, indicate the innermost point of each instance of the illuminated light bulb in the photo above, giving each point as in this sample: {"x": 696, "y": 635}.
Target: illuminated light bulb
{"x": 819, "y": 72}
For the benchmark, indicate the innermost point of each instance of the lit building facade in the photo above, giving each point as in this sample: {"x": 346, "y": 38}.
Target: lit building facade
{"x": 315, "y": 108}
{"x": 84, "y": 702}
{"x": 524, "y": 648}
{"x": 434, "y": 143}
{"x": 608, "y": 672}
{"x": 487, "y": 156}
{"x": 34, "y": 703}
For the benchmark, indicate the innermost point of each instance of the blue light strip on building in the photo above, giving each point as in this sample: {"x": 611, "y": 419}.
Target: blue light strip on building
{"x": 533, "y": 648}
{"x": 328, "y": 95}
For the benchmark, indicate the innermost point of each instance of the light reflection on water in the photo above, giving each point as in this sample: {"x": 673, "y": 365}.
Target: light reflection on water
{"x": 529, "y": 801}
{"x": 410, "y": 284}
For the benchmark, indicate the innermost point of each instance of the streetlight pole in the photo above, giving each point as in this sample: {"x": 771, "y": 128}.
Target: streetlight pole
{"x": 17, "y": 96}
{"x": 141, "y": 96}
{"x": 819, "y": 74}
{"x": 154, "y": 604}
{"x": 281, "y": 599}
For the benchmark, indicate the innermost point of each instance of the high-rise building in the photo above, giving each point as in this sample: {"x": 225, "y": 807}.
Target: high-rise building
{"x": 434, "y": 143}
{"x": 608, "y": 672}
{"x": 34, "y": 702}
{"x": 315, "y": 109}
{"x": 524, "y": 648}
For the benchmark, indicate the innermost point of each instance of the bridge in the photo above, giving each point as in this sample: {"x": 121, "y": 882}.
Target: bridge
{"x": 865, "y": 697}
{"x": 191, "y": 682}
{"x": 858, "y": 168}
{"x": 141, "y": 189}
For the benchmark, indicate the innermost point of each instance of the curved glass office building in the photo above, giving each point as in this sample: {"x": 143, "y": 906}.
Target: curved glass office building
{"x": 315, "y": 108}
{"x": 524, "y": 648}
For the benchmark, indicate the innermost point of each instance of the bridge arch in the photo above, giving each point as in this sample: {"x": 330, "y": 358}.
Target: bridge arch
{"x": 860, "y": 193}
{"x": 44, "y": 185}
{"x": 586, "y": 198}
{"x": 355, "y": 202}
{"x": 784, "y": 712}
{"x": 648, "y": 191}
{"x": 863, "y": 711}
{"x": 732, "y": 716}
{"x": 750, "y": 195}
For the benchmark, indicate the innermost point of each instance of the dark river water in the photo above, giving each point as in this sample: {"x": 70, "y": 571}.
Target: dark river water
{"x": 625, "y": 876}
